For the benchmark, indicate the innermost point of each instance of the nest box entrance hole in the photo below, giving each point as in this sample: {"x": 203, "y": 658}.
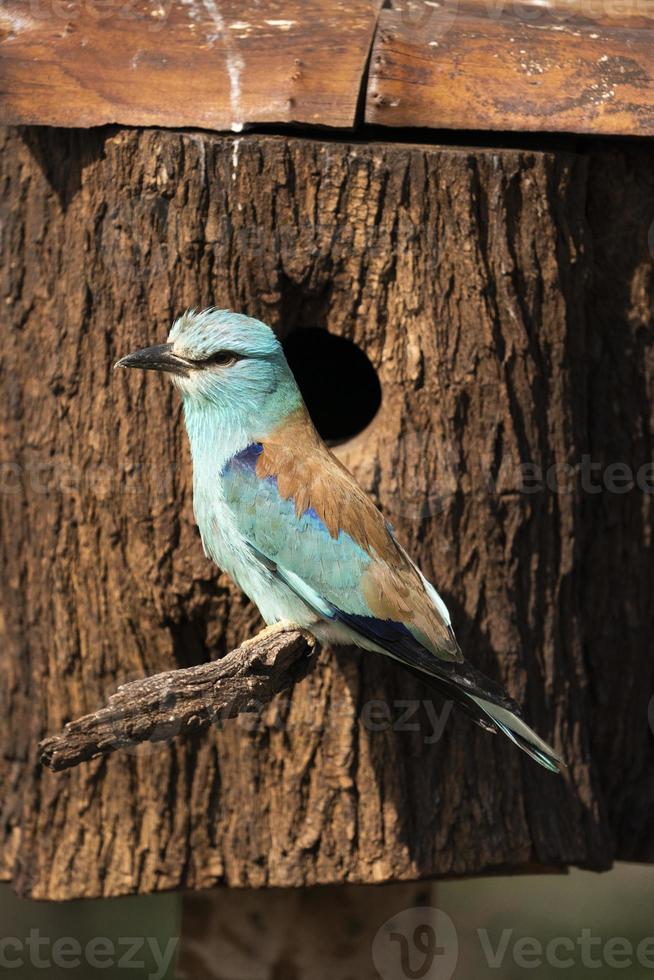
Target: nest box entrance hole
{"x": 338, "y": 382}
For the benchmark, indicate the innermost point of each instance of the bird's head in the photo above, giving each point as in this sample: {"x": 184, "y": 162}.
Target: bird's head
{"x": 224, "y": 363}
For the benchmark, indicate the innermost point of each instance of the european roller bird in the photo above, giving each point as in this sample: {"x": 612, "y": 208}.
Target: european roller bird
{"x": 278, "y": 511}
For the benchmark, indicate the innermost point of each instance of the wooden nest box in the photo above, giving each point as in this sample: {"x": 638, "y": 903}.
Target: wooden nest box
{"x": 463, "y": 197}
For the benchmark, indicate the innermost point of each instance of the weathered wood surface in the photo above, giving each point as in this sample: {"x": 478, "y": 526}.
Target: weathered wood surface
{"x": 215, "y": 64}
{"x": 505, "y": 299}
{"x": 577, "y": 67}
{"x": 183, "y": 702}
{"x": 219, "y": 64}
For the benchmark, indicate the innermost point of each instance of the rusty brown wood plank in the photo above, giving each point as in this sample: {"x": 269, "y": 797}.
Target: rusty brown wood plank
{"x": 585, "y": 67}
{"x": 215, "y": 64}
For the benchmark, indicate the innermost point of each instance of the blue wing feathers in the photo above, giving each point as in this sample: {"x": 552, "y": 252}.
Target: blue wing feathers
{"x": 246, "y": 459}
{"x": 326, "y": 572}
{"x": 398, "y": 640}
{"x": 331, "y": 567}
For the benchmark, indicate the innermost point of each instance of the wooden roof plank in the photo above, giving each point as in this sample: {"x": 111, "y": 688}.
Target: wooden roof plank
{"x": 216, "y": 64}
{"x": 539, "y": 66}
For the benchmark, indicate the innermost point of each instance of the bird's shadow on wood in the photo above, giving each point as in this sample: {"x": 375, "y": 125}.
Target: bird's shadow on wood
{"x": 618, "y": 572}
{"x": 464, "y": 775}
{"x": 417, "y": 745}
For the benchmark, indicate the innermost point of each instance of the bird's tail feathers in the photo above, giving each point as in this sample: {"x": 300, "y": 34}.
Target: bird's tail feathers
{"x": 521, "y": 734}
{"x": 485, "y": 701}
{"x": 487, "y": 704}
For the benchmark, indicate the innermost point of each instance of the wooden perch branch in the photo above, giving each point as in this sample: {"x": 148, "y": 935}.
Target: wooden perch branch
{"x": 176, "y": 702}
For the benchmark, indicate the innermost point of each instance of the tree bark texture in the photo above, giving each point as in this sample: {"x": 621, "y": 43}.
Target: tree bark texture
{"x": 505, "y": 299}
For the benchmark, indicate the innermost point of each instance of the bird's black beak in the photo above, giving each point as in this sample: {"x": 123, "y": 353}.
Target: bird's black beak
{"x": 159, "y": 358}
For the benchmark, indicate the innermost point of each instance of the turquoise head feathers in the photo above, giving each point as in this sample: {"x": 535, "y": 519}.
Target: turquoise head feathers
{"x": 239, "y": 368}
{"x": 231, "y": 372}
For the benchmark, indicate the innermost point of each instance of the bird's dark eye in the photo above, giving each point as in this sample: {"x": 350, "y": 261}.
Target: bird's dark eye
{"x": 222, "y": 358}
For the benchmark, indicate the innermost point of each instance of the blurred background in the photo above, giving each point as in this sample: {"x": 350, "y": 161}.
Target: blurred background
{"x": 141, "y": 935}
